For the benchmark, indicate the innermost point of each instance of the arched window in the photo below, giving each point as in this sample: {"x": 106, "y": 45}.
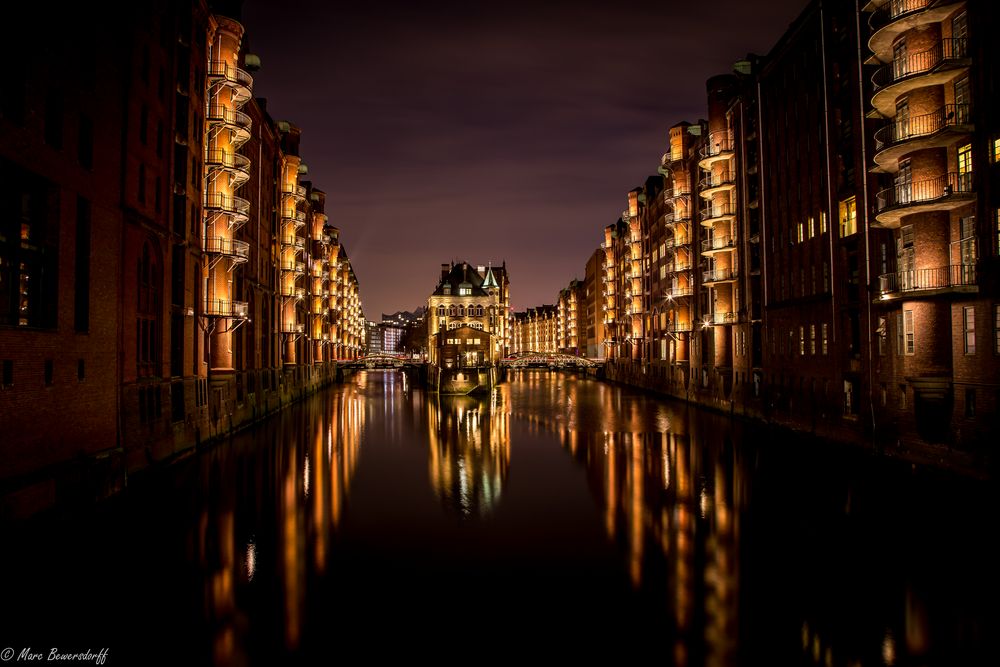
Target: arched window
{"x": 440, "y": 311}
{"x": 147, "y": 313}
{"x": 461, "y": 311}
{"x": 479, "y": 311}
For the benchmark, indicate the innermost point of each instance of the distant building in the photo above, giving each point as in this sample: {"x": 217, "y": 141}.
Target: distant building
{"x": 468, "y": 299}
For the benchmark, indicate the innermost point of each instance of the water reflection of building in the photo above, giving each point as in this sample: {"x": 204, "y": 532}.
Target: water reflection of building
{"x": 469, "y": 451}
{"x": 671, "y": 504}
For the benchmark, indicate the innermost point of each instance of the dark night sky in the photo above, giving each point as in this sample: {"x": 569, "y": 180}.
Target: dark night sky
{"x": 461, "y": 131}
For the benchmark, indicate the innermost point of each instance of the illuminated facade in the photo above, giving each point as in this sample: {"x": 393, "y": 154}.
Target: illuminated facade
{"x": 934, "y": 165}
{"x": 197, "y": 285}
{"x": 537, "y": 330}
{"x": 570, "y": 322}
{"x": 476, "y": 298}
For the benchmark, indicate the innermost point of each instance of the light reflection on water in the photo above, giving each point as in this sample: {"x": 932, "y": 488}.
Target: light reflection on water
{"x": 573, "y": 513}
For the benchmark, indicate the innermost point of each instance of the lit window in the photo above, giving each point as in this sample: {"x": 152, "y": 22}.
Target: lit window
{"x": 802, "y": 341}
{"x": 825, "y": 342}
{"x": 995, "y": 150}
{"x": 801, "y": 232}
{"x": 822, "y": 222}
{"x": 848, "y": 217}
{"x": 969, "y": 326}
{"x": 812, "y": 339}
{"x": 812, "y": 226}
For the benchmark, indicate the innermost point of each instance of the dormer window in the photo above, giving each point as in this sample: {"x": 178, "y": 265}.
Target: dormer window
{"x": 464, "y": 291}
{"x": 447, "y": 289}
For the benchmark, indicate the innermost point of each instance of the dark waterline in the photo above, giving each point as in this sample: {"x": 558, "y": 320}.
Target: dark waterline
{"x": 375, "y": 520}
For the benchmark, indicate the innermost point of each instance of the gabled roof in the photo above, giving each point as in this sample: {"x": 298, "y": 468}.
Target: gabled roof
{"x": 462, "y": 275}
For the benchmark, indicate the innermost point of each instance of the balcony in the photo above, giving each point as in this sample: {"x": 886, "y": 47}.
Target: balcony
{"x": 292, "y": 217}
{"x": 237, "y": 208}
{"x": 237, "y": 251}
{"x": 935, "y": 66}
{"x": 719, "y": 146}
{"x": 941, "y": 193}
{"x": 672, "y": 194}
{"x": 716, "y": 244}
{"x": 895, "y": 17}
{"x": 236, "y": 79}
{"x": 723, "y": 318}
{"x": 296, "y": 192}
{"x": 292, "y": 327}
{"x": 296, "y": 242}
{"x": 676, "y": 291}
{"x": 667, "y": 161}
{"x": 927, "y": 282}
{"x": 236, "y": 166}
{"x": 298, "y": 268}
{"x": 679, "y": 327}
{"x": 291, "y": 291}
{"x": 236, "y": 310}
{"x": 714, "y": 276}
{"x": 237, "y": 122}
{"x": 711, "y": 183}
{"x": 937, "y": 129}
{"x": 717, "y": 213}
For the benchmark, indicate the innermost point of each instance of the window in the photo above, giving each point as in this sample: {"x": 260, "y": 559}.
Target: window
{"x": 54, "y": 120}
{"x": 900, "y": 341}
{"x": 825, "y": 339}
{"x": 85, "y": 143}
{"x": 969, "y": 327}
{"x": 964, "y": 183}
{"x": 996, "y": 329}
{"x": 81, "y": 276}
{"x": 881, "y": 333}
{"x": 802, "y": 341}
{"x": 848, "y": 217}
{"x": 822, "y": 222}
{"x": 812, "y": 339}
{"x": 970, "y": 402}
{"x": 801, "y": 232}
{"x": 147, "y": 313}
{"x": 908, "y": 332}
{"x": 995, "y": 150}
{"x": 440, "y": 311}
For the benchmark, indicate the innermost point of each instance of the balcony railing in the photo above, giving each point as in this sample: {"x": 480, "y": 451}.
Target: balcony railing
{"x": 957, "y": 275}
{"x": 677, "y": 291}
{"x": 295, "y": 267}
{"x": 292, "y": 291}
{"x": 226, "y": 308}
{"x": 716, "y": 211}
{"x": 679, "y": 327}
{"x": 297, "y": 191}
{"x": 718, "y": 243}
{"x": 292, "y": 327}
{"x": 901, "y": 130}
{"x": 290, "y": 216}
{"x": 717, "y": 275}
{"x": 293, "y": 241}
{"x": 718, "y": 143}
{"x": 715, "y": 180}
{"x": 227, "y": 203}
{"x": 724, "y": 318}
{"x": 229, "y": 116}
{"x": 239, "y": 251}
{"x": 920, "y": 63}
{"x": 897, "y": 9}
{"x": 227, "y": 160}
{"x": 919, "y": 192}
{"x": 219, "y": 69}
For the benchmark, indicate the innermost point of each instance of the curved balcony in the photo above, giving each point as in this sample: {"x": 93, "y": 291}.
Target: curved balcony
{"x": 237, "y": 122}
{"x": 237, "y": 251}
{"x": 297, "y": 242}
{"x": 711, "y": 183}
{"x": 237, "y": 208}
{"x": 317, "y": 306}
{"x": 296, "y": 192}
{"x": 676, "y": 292}
{"x": 715, "y": 276}
{"x": 941, "y": 193}
{"x": 679, "y": 327}
{"x": 292, "y": 291}
{"x": 678, "y": 191}
{"x": 236, "y": 166}
{"x": 895, "y": 17}
{"x": 717, "y": 213}
{"x": 722, "y": 243}
{"x": 927, "y": 282}
{"x": 719, "y": 147}
{"x": 935, "y": 66}
{"x": 298, "y": 268}
{"x": 932, "y": 130}
{"x": 667, "y": 161}
{"x": 292, "y": 217}
{"x": 292, "y": 327}
{"x": 236, "y": 79}
{"x": 227, "y": 308}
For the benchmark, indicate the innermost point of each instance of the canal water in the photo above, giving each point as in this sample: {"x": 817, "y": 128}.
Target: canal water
{"x": 557, "y": 518}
